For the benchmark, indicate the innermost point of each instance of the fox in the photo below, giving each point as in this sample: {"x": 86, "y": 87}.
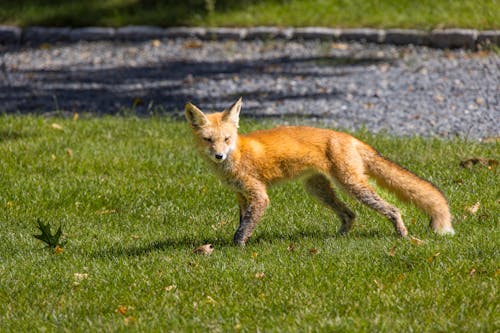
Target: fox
{"x": 326, "y": 159}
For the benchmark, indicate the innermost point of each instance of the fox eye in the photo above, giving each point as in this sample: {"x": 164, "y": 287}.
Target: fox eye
{"x": 227, "y": 139}
{"x": 208, "y": 139}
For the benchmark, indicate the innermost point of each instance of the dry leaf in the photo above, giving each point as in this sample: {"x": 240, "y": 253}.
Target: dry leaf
{"x": 416, "y": 241}
{"x": 472, "y": 272}
{"x": 171, "y": 287}
{"x": 53, "y": 157}
{"x": 121, "y": 310}
{"x": 473, "y": 209}
{"x": 56, "y": 126}
{"x": 129, "y": 320}
{"x": 313, "y": 251}
{"x": 431, "y": 258}
{"x": 105, "y": 211}
{"x": 58, "y": 249}
{"x": 290, "y": 248}
{"x": 260, "y": 275}
{"x": 69, "y": 152}
{"x": 392, "y": 251}
{"x": 378, "y": 284}
{"x": 480, "y": 101}
{"x": 81, "y": 276}
{"x": 206, "y": 249}
{"x": 210, "y": 300}
{"x": 193, "y": 44}
{"x": 470, "y": 162}
{"x": 340, "y": 46}
{"x": 491, "y": 139}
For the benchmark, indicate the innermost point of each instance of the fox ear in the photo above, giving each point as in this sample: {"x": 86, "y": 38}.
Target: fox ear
{"x": 194, "y": 116}
{"x": 233, "y": 113}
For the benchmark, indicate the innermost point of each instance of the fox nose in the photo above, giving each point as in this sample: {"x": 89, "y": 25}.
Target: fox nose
{"x": 219, "y": 156}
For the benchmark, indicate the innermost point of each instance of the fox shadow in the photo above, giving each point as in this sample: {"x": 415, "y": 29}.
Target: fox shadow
{"x": 188, "y": 243}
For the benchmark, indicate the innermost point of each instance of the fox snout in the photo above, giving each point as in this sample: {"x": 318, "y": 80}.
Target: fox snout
{"x": 219, "y": 156}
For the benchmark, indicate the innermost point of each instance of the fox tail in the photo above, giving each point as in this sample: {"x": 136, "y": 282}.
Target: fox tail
{"x": 409, "y": 187}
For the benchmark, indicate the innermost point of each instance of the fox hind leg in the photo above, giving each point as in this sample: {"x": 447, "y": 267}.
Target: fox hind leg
{"x": 358, "y": 186}
{"x": 320, "y": 187}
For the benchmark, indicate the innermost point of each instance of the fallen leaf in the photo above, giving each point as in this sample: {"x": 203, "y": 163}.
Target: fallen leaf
{"x": 313, "y": 251}
{"x": 340, "y": 46}
{"x": 69, "y": 152}
{"x": 470, "y": 162}
{"x": 171, "y": 287}
{"x": 260, "y": 275}
{"x": 392, "y": 251}
{"x": 378, "y": 284}
{"x": 53, "y": 157}
{"x": 439, "y": 98}
{"x": 129, "y": 320}
{"x": 416, "y": 241}
{"x": 121, "y": 310}
{"x": 193, "y": 44}
{"x": 473, "y": 209}
{"x": 480, "y": 101}
{"x": 56, "y": 126}
{"x": 206, "y": 249}
{"x": 80, "y": 276}
{"x": 290, "y": 248}
{"x": 472, "y": 272}
{"x": 105, "y": 211}
{"x": 58, "y": 249}
{"x": 491, "y": 139}
{"x": 434, "y": 256}
{"x": 210, "y": 300}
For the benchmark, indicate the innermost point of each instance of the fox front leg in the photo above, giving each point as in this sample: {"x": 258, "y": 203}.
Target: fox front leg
{"x": 250, "y": 215}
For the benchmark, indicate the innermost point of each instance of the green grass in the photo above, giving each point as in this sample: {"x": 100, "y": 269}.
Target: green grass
{"x": 134, "y": 199}
{"x": 425, "y": 14}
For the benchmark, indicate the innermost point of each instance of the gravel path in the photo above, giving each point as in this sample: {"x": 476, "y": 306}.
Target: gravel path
{"x": 401, "y": 90}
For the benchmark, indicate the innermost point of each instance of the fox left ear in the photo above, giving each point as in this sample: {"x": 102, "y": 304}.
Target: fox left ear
{"x": 194, "y": 115}
{"x": 233, "y": 113}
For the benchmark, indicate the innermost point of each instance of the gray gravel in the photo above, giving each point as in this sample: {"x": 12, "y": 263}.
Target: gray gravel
{"x": 401, "y": 90}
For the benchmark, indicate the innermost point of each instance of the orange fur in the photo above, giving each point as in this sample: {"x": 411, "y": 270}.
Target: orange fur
{"x": 252, "y": 162}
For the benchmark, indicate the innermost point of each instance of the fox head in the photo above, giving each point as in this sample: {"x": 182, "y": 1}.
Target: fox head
{"x": 217, "y": 132}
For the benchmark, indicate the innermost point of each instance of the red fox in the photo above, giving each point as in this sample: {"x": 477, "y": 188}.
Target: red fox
{"x": 250, "y": 163}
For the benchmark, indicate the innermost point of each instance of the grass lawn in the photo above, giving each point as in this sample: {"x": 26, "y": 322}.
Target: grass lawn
{"x": 134, "y": 200}
{"x": 424, "y": 14}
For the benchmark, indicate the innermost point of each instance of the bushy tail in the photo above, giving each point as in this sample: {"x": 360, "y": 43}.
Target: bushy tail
{"x": 409, "y": 187}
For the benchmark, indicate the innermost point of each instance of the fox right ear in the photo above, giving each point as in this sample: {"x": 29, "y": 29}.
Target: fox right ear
{"x": 194, "y": 116}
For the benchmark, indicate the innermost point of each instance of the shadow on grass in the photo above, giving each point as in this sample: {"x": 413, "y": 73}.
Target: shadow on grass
{"x": 189, "y": 243}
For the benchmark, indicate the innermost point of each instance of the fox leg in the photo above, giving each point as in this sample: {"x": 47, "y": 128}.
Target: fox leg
{"x": 320, "y": 187}
{"x": 242, "y": 204}
{"x": 358, "y": 186}
{"x": 254, "y": 205}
